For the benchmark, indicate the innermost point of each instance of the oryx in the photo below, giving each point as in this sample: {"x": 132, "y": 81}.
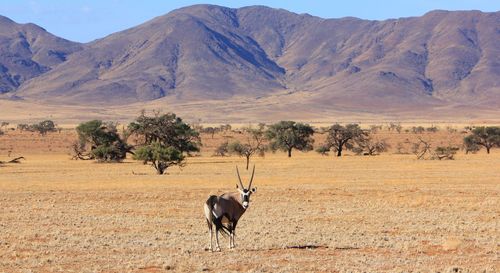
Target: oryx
{"x": 224, "y": 211}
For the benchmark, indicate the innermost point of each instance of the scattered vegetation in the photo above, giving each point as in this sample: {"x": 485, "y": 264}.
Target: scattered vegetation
{"x": 343, "y": 137}
{"x": 164, "y": 139}
{"x": 2, "y": 125}
{"x": 432, "y": 129}
{"x": 289, "y": 135}
{"x": 100, "y": 141}
{"x": 401, "y": 148}
{"x": 417, "y": 129}
{"x": 160, "y": 156}
{"x": 445, "y": 152}
{"x": 451, "y": 130}
{"x": 487, "y": 137}
{"x": 222, "y": 149}
{"x": 42, "y": 128}
{"x": 375, "y": 128}
{"x": 255, "y": 144}
{"x": 422, "y": 149}
{"x": 323, "y": 150}
{"x": 370, "y": 146}
{"x": 210, "y": 130}
{"x": 394, "y": 127}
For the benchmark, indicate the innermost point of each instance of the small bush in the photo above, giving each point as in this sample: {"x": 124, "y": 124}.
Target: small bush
{"x": 370, "y": 146}
{"x": 375, "y": 128}
{"x": 395, "y": 127}
{"x": 402, "y": 149}
{"x": 23, "y": 127}
{"x": 451, "y": 130}
{"x": 417, "y": 129}
{"x": 43, "y": 127}
{"x": 323, "y": 150}
{"x": 222, "y": 150}
{"x": 447, "y": 152}
{"x": 432, "y": 129}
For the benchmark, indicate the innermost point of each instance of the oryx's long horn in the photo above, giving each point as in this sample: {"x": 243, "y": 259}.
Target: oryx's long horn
{"x": 239, "y": 178}
{"x": 251, "y": 179}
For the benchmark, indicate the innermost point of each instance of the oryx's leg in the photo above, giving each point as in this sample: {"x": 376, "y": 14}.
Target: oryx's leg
{"x": 217, "y": 239}
{"x": 231, "y": 240}
{"x": 218, "y": 225}
{"x": 231, "y": 237}
{"x": 233, "y": 233}
{"x": 210, "y": 234}
{"x": 211, "y": 239}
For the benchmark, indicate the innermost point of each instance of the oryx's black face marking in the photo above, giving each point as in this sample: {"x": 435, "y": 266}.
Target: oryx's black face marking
{"x": 245, "y": 198}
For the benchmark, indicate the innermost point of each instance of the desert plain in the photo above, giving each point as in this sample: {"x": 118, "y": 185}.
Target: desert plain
{"x": 311, "y": 213}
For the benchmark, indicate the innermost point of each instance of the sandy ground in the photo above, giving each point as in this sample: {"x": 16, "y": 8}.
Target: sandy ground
{"x": 242, "y": 110}
{"x": 311, "y": 213}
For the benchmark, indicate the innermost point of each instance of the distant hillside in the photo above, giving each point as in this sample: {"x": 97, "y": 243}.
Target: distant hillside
{"x": 27, "y": 51}
{"x": 275, "y": 59}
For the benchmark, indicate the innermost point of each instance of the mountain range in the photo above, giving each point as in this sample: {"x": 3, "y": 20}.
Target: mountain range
{"x": 272, "y": 60}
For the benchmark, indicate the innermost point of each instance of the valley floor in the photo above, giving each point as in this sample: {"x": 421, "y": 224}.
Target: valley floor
{"x": 389, "y": 213}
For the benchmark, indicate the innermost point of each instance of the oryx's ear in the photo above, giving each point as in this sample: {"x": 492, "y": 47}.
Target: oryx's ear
{"x": 254, "y": 189}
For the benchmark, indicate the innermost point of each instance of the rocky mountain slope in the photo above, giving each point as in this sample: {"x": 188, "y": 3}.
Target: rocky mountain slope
{"x": 207, "y": 52}
{"x": 27, "y": 51}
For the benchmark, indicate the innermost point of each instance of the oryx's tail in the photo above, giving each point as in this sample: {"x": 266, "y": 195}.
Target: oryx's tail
{"x": 209, "y": 208}
{"x": 211, "y": 219}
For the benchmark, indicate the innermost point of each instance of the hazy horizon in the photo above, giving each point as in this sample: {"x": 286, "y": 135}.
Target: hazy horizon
{"x": 84, "y": 21}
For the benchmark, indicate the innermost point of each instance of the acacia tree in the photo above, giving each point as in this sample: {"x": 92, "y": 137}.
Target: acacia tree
{"x": 370, "y": 146}
{"x": 289, "y": 135}
{"x": 254, "y": 145}
{"x": 470, "y": 147}
{"x": 163, "y": 140}
{"x": 340, "y": 137}
{"x": 160, "y": 156}
{"x": 487, "y": 137}
{"x": 100, "y": 140}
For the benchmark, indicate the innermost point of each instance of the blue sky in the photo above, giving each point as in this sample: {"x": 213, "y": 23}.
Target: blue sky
{"x": 83, "y": 21}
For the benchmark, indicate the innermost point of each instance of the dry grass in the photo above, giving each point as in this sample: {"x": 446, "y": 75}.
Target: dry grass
{"x": 374, "y": 214}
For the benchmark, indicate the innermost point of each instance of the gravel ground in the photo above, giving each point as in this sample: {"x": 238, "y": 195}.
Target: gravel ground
{"x": 386, "y": 214}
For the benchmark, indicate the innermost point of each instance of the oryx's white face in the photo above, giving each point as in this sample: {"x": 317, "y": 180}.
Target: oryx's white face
{"x": 245, "y": 192}
{"x": 245, "y": 196}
